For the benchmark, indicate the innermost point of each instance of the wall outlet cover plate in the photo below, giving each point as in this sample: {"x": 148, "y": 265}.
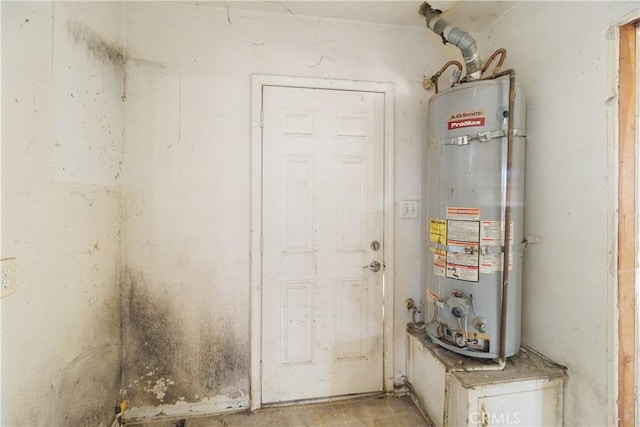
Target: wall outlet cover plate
{"x": 7, "y": 276}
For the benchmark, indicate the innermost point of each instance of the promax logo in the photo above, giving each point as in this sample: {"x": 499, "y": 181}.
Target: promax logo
{"x": 466, "y": 120}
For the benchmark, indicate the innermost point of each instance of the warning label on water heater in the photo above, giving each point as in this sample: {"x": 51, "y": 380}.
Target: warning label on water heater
{"x": 492, "y": 234}
{"x": 463, "y": 241}
{"x": 466, "y": 119}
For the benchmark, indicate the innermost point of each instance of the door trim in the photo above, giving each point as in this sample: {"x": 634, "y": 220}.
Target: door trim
{"x": 258, "y": 81}
{"x": 627, "y": 224}
{"x": 623, "y": 341}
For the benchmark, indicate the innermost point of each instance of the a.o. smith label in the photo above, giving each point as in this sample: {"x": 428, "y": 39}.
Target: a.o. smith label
{"x": 466, "y": 120}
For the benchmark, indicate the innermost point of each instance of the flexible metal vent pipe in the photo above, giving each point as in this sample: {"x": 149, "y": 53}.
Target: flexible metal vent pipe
{"x": 454, "y": 35}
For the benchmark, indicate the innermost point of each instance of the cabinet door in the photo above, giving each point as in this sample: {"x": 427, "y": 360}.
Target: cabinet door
{"x": 542, "y": 407}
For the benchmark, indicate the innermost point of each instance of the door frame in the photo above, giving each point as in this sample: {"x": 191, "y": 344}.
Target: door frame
{"x": 623, "y": 217}
{"x": 627, "y": 264}
{"x": 258, "y": 81}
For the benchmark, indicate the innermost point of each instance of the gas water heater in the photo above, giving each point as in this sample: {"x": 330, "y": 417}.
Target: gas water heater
{"x": 475, "y": 197}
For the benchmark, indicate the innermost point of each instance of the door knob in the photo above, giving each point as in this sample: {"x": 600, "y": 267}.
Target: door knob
{"x": 374, "y": 266}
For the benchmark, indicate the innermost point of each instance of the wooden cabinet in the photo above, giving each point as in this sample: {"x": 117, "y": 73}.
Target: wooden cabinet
{"x": 528, "y": 392}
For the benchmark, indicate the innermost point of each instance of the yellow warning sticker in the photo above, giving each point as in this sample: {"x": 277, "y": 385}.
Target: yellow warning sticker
{"x": 438, "y": 231}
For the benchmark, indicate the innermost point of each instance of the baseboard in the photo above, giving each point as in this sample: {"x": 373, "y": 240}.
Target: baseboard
{"x": 183, "y": 410}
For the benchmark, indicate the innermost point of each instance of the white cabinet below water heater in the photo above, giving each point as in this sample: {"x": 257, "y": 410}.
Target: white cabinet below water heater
{"x": 528, "y": 392}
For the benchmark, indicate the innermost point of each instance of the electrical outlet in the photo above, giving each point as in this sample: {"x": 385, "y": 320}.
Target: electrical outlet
{"x": 409, "y": 209}
{"x": 7, "y": 276}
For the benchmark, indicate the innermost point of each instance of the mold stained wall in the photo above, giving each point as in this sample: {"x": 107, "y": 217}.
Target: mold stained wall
{"x": 62, "y": 119}
{"x": 187, "y": 182}
{"x": 561, "y": 54}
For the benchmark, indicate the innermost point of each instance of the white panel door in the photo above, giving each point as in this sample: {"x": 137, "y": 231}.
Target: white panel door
{"x": 322, "y": 208}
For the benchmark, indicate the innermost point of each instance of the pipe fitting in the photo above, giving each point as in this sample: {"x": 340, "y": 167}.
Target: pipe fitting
{"x": 410, "y": 303}
{"x": 454, "y": 35}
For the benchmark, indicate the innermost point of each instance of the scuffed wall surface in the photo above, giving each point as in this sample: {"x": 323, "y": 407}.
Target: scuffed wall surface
{"x": 560, "y": 52}
{"x": 62, "y": 119}
{"x": 187, "y": 175}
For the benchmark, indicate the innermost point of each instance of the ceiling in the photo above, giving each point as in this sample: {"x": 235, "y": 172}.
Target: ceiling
{"x": 472, "y": 16}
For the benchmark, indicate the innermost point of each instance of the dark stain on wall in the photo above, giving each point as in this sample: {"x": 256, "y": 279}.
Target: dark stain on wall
{"x": 153, "y": 343}
{"x": 96, "y": 45}
{"x": 223, "y": 362}
{"x": 165, "y": 361}
{"x": 89, "y": 383}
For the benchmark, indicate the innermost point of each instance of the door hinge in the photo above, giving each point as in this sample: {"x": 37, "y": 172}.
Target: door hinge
{"x": 261, "y": 118}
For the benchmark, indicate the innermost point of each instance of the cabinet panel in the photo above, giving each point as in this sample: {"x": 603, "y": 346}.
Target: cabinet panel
{"x": 427, "y": 377}
{"x": 529, "y": 408}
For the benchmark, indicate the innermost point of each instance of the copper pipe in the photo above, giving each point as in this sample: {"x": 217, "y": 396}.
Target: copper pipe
{"x": 503, "y": 55}
{"x": 507, "y": 213}
{"x": 447, "y": 65}
{"x": 434, "y": 79}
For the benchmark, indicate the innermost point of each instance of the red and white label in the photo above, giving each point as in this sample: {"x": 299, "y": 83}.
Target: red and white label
{"x": 466, "y": 120}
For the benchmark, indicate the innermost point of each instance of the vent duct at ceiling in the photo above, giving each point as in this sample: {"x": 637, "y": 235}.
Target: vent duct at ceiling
{"x": 454, "y": 35}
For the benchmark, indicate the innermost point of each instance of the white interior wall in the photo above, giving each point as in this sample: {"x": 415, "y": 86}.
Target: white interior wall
{"x": 187, "y": 180}
{"x": 561, "y": 55}
{"x": 62, "y": 117}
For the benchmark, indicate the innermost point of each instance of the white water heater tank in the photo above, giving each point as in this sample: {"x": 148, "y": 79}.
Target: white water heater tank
{"x": 466, "y": 197}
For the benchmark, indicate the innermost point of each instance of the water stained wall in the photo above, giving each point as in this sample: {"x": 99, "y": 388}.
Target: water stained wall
{"x": 102, "y": 49}
{"x": 171, "y": 356}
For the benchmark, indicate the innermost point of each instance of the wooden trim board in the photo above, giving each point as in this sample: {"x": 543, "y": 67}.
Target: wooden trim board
{"x": 627, "y": 233}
